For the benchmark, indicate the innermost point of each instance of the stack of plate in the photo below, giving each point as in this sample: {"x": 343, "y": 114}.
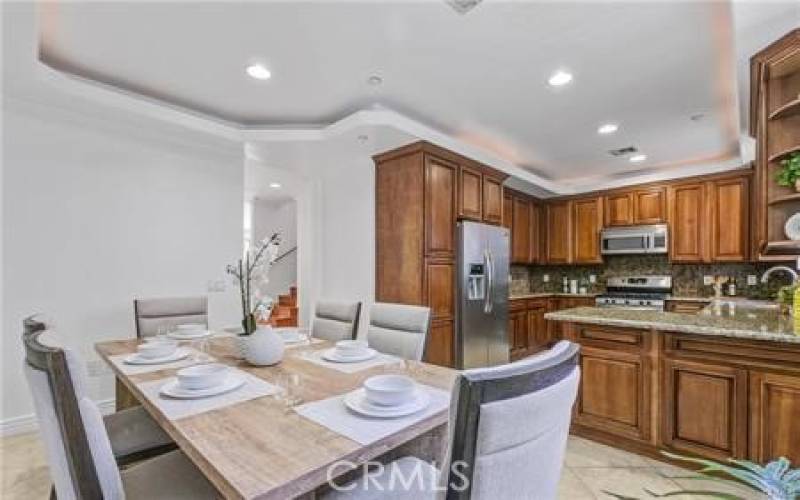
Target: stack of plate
{"x": 203, "y": 381}
{"x": 189, "y": 332}
{"x": 155, "y": 351}
{"x": 387, "y": 396}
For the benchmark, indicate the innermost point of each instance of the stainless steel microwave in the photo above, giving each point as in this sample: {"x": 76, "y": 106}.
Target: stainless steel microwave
{"x": 651, "y": 239}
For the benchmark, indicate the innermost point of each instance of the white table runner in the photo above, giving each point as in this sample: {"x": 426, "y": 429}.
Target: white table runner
{"x": 174, "y": 409}
{"x": 333, "y": 414}
{"x": 379, "y": 360}
{"x": 129, "y": 369}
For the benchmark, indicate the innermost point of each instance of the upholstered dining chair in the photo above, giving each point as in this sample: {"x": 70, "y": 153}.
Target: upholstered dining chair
{"x": 508, "y": 435}
{"x": 399, "y": 329}
{"x": 150, "y": 314}
{"x": 336, "y": 320}
{"x": 78, "y": 443}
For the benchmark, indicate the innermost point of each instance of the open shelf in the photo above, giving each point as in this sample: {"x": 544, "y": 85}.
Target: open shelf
{"x": 791, "y": 108}
{"x": 782, "y": 247}
{"x": 784, "y": 199}
{"x": 785, "y": 66}
{"x": 786, "y": 152}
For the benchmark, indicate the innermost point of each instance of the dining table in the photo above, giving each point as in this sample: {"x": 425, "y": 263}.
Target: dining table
{"x": 265, "y": 445}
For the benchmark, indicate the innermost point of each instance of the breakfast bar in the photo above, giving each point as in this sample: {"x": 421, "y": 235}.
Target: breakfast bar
{"x": 260, "y": 442}
{"x": 720, "y": 383}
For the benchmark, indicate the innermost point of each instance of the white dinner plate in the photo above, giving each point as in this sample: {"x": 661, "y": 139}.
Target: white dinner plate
{"x": 179, "y": 354}
{"x": 332, "y": 355}
{"x": 358, "y": 402}
{"x": 173, "y": 389}
{"x": 792, "y": 227}
{"x": 192, "y": 335}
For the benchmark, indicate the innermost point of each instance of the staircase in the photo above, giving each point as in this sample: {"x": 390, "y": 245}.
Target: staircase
{"x": 285, "y": 311}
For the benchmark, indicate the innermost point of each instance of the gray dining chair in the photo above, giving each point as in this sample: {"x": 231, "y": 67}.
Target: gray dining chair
{"x": 79, "y": 445}
{"x": 399, "y": 329}
{"x": 336, "y": 321}
{"x": 509, "y": 426}
{"x": 150, "y": 314}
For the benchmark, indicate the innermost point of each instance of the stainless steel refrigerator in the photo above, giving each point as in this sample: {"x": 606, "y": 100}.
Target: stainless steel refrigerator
{"x": 482, "y": 295}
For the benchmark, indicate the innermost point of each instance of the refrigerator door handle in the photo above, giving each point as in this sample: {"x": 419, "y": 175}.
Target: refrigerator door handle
{"x": 489, "y": 299}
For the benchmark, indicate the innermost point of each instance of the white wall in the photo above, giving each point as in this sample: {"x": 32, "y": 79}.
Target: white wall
{"x": 94, "y": 215}
{"x": 278, "y": 216}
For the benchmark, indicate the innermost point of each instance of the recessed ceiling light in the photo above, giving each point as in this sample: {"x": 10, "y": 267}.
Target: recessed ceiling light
{"x": 374, "y": 80}
{"x": 274, "y": 185}
{"x": 637, "y": 158}
{"x": 559, "y": 78}
{"x": 259, "y": 72}
{"x": 607, "y": 128}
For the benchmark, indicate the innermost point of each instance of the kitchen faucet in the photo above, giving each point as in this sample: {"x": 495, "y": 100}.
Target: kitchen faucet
{"x": 787, "y": 269}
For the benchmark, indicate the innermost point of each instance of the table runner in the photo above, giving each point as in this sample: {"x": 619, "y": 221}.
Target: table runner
{"x": 333, "y": 414}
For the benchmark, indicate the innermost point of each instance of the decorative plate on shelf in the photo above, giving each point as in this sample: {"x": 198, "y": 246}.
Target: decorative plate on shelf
{"x": 792, "y": 227}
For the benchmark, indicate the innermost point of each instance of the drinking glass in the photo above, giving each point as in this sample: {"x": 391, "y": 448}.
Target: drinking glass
{"x": 290, "y": 384}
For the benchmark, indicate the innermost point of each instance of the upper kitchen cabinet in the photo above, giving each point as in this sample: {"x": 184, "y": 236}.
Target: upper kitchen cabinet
{"x": 440, "y": 207}
{"x": 520, "y": 230}
{"x": 640, "y": 206}
{"x": 775, "y": 123}
{"x": 709, "y": 219}
{"x": 480, "y": 195}
{"x": 558, "y": 230}
{"x": 587, "y": 220}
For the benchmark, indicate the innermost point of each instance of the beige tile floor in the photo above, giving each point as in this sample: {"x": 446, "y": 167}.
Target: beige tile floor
{"x": 590, "y": 470}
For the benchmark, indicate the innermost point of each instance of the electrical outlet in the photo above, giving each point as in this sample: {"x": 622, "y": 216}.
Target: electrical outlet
{"x": 593, "y": 278}
{"x": 752, "y": 280}
{"x": 546, "y": 278}
{"x": 708, "y": 279}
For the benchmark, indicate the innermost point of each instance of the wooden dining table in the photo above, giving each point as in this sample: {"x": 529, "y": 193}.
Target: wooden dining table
{"x": 262, "y": 448}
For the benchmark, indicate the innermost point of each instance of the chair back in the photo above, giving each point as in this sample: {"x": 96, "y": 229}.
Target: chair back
{"x": 150, "y": 314}
{"x": 336, "y": 321}
{"x": 399, "y": 329}
{"x": 79, "y": 453}
{"x": 509, "y": 427}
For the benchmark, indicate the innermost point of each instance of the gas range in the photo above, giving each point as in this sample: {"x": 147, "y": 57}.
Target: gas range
{"x": 636, "y": 292}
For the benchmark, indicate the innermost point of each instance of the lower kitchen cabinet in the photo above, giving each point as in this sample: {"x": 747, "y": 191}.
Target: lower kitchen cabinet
{"x": 697, "y": 395}
{"x": 439, "y": 348}
{"x": 704, "y": 409}
{"x": 518, "y": 329}
{"x": 774, "y": 417}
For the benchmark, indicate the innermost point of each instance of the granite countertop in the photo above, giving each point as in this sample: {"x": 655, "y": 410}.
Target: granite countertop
{"x": 538, "y": 295}
{"x": 738, "y": 322}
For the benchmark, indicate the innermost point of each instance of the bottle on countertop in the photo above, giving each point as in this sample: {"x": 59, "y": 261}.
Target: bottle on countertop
{"x": 565, "y": 286}
{"x": 731, "y": 287}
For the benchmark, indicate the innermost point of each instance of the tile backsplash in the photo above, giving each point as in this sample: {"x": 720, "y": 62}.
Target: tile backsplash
{"x": 687, "y": 278}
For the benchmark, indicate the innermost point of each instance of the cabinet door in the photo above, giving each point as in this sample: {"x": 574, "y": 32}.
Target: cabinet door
{"x": 705, "y": 409}
{"x": 519, "y": 334}
{"x": 587, "y": 222}
{"x": 492, "y": 200}
{"x": 536, "y": 237}
{"x": 508, "y": 213}
{"x": 687, "y": 222}
{"x": 470, "y": 193}
{"x": 619, "y": 209}
{"x": 649, "y": 206}
{"x": 558, "y": 232}
{"x": 774, "y": 421}
{"x": 439, "y": 287}
{"x": 729, "y": 203}
{"x": 439, "y": 348}
{"x": 521, "y": 227}
{"x": 440, "y": 206}
{"x": 615, "y": 393}
{"x": 538, "y": 332}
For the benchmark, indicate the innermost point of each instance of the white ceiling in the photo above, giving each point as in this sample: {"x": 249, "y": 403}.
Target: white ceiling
{"x": 480, "y": 77}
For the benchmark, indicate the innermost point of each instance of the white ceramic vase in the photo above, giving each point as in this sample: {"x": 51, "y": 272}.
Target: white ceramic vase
{"x": 264, "y": 347}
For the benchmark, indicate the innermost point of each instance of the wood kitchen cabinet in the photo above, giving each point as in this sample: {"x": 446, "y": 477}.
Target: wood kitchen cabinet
{"x": 774, "y": 416}
{"x": 587, "y": 221}
{"x": 421, "y": 190}
{"x": 535, "y": 248}
{"x": 704, "y": 409}
{"x": 508, "y": 211}
{"x": 709, "y": 220}
{"x": 518, "y": 329}
{"x": 685, "y": 306}
{"x": 520, "y": 230}
{"x": 558, "y": 229}
{"x": 640, "y": 206}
